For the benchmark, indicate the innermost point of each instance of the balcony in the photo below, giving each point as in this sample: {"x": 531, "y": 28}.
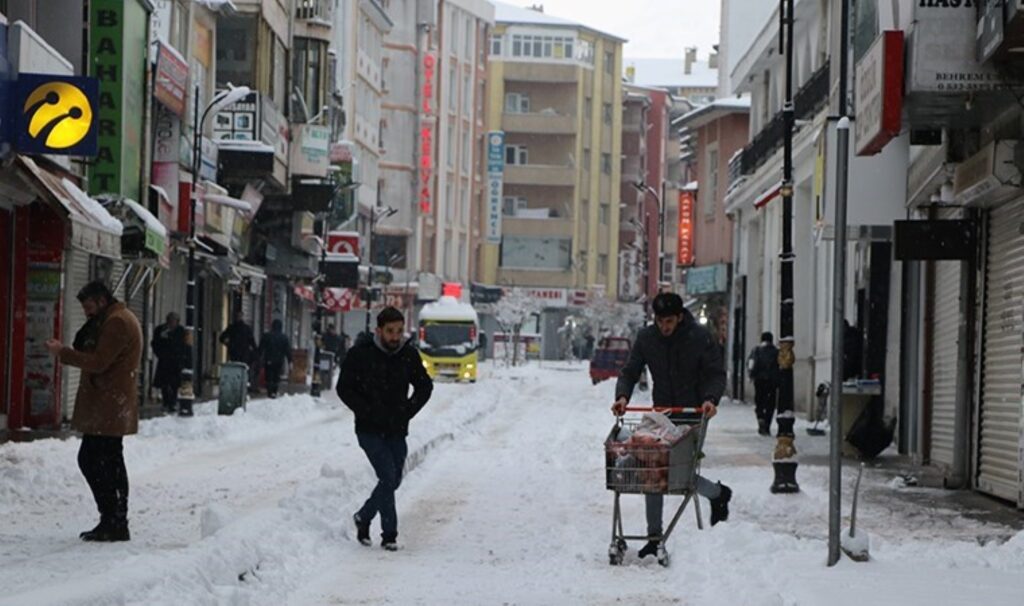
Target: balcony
{"x": 540, "y": 174}
{"x": 548, "y": 123}
{"x": 319, "y": 11}
{"x": 540, "y": 228}
{"x": 811, "y": 97}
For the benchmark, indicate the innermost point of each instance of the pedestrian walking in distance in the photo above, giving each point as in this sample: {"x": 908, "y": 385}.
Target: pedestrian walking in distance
{"x": 763, "y": 367}
{"x": 274, "y": 350}
{"x": 374, "y": 383}
{"x": 106, "y": 405}
{"x": 239, "y": 340}
{"x": 171, "y": 352}
{"x": 686, "y": 367}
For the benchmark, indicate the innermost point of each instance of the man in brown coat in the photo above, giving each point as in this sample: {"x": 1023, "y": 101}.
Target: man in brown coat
{"x": 106, "y": 406}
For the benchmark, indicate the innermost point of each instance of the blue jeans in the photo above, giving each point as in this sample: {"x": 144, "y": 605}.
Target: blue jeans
{"x": 656, "y": 502}
{"x": 387, "y": 456}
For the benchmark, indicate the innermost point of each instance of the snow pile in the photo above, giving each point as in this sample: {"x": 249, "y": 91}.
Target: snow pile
{"x": 214, "y": 518}
{"x": 857, "y": 544}
{"x": 152, "y": 222}
{"x": 94, "y": 208}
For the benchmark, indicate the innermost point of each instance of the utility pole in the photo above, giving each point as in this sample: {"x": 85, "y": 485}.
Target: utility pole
{"x": 784, "y": 459}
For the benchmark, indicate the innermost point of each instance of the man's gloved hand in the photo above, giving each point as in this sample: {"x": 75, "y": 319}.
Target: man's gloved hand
{"x": 619, "y": 407}
{"x": 709, "y": 410}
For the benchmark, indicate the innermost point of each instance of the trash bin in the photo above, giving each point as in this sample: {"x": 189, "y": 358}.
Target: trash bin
{"x": 326, "y": 370}
{"x": 234, "y": 387}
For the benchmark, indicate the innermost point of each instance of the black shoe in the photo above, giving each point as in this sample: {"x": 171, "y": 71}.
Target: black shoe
{"x": 114, "y": 531}
{"x": 362, "y": 530}
{"x": 102, "y": 526}
{"x": 763, "y": 428}
{"x": 650, "y": 549}
{"x": 720, "y": 505}
{"x": 389, "y": 545}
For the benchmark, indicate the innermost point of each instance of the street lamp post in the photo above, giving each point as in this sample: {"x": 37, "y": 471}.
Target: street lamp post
{"x": 647, "y": 189}
{"x": 374, "y": 217}
{"x": 190, "y": 372}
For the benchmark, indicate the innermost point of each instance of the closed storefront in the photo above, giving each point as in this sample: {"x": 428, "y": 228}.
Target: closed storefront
{"x": 999, "y": 455}
{"x": 944, "y": 356}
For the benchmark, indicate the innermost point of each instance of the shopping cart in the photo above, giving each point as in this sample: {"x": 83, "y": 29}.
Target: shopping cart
{"x": 658, "y": 468}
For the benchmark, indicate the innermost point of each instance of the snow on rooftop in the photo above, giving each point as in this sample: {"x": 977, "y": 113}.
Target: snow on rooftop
{"x": 510, "y": 13}
{"x": 243, "y": 145}
{"x": 672, "y": 73}
{"x": 448, "y": 308}
{"x": 152, "y": 222}
{"x": 94, "y": 208}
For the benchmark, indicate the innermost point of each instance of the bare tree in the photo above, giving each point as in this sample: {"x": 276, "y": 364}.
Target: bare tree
{"x": 511, "y": 311}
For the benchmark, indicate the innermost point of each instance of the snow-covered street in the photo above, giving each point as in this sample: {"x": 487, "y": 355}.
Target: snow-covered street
{"x": 503, "y": 503}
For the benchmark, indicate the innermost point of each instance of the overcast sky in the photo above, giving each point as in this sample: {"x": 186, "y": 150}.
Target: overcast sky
{"x": 654, "y": 28}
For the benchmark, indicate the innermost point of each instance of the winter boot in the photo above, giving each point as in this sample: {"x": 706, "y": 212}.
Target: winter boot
{"x": 101, "y": 527}
{"x": 720, "y": 504}
{"x": 362, "y": 530}
{"x": 650, "y": 549}
{"x": 763, "y": 428}
{"x": 116, "y": 530}
{"x": 389, "y": 542}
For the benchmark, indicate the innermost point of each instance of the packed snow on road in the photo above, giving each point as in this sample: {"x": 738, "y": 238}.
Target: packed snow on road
{"x": 504, "y": 502}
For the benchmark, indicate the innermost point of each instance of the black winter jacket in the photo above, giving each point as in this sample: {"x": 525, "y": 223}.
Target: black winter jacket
{"x": 686, "y": 367}
{"x": 375, "y": 385}
{"x": 275, "y": 348}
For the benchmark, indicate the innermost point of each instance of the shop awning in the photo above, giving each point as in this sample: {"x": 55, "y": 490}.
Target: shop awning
{"x": 144, "y": 237}
{"x": 93, "y": 229}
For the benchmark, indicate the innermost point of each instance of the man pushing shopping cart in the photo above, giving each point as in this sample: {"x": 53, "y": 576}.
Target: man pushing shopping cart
{"x": 687, "y": 369}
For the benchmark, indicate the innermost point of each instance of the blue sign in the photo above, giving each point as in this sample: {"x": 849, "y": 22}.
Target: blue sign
{"x": 495, "y": 152}
{"x": 51, "y": 114}
{"x": 707, "y": 280}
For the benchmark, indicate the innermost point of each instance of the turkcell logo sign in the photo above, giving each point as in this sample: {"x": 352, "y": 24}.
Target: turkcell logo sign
{"x": 495, "y": 152}
{"x": 54, "y": 114}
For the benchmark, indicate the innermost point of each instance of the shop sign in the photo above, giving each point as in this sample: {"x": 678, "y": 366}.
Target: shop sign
{"x": 684, "y": 252}
{"x": 707, "y": 280}
{"x": 495, "y": 174}
{"x": 343, "y": 242}
{"x": 239, "y": 121}
{"x": 170, "y": 85}
{"x": 427, "y": 135}
{"x": 549, "y": 297}
{"x": 55, "y": 114}
{"x": 879, "y": 94}
{"x": 941, "y": 54}
{"x": 482, "y": 294}
{"x": 119, "y": 52}
{"x": 311, "y": 144}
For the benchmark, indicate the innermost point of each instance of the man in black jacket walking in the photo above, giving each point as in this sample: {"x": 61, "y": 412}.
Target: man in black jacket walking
{"x": 172, "y": 355}
{"x": 374, "y": 383}
{"x": 686, "y": 366}
{"x": 764, "y": 372}
{"x": 274, "y": 349}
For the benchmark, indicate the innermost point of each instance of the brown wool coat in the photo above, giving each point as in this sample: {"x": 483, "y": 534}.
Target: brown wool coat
{"x": 107, "y": 402}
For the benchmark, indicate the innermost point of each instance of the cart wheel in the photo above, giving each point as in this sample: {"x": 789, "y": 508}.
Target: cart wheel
{"x": 614, "y": 559}
{"x": 663, "y": 557}
{"x": 623, "y": 548}
{"x": 615, "y": 552}
{"x": 595, "y": 381}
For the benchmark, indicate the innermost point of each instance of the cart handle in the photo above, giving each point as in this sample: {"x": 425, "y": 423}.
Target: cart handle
{"x": 666, "y": 409}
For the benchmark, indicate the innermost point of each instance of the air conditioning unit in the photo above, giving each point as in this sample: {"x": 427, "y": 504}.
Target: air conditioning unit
{"x": 989, "y": 175}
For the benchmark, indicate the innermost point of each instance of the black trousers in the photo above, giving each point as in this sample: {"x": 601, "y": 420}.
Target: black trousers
{"x": 272, "y": 375}
{"x": 101, "y": 459}
{"x": 169, "y": 395}
{"x": 766, "y": 394}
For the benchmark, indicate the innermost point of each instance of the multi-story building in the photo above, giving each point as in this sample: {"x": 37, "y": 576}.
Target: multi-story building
{"x": 556, "y": 93}
{"x": 687, "y": 79}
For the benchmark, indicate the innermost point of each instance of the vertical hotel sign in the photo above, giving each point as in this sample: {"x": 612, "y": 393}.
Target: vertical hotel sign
{"x": 427, "y": 119}
{"x": 117, "y": 48}
{"x": 495, "y": 173}
{"x": 684, "y": 254}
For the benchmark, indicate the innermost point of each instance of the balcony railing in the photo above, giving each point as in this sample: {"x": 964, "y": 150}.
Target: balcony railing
{"x": 811, "y": 97}
{"x": 313, "y": 10}
{"x": 539, "y": 123}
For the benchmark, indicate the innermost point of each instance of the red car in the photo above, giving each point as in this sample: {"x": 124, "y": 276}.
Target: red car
{"x": 611, "y": 355}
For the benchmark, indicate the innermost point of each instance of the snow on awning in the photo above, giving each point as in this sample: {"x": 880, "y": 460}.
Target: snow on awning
{"x": 767, "y": 196}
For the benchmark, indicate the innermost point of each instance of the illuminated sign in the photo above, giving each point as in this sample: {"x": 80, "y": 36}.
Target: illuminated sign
{"x": 427, "y": 135}
{"x": 684, "y": 254}
{"x": 55, "y": 114}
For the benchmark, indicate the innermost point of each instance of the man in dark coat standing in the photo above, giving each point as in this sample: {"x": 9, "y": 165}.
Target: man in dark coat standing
{"x": 171, "y": 351}
{"x": 763, "y": 366}
{"x": 374, "y": 383}
{"x": 686, "y": 367}
{"x": 106, "y": 405}
{"x": 274, "y": 349}
{"x": 239, "y": 340}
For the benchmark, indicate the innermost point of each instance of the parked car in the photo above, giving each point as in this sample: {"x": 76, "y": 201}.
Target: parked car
{"x": 611, "y": 355}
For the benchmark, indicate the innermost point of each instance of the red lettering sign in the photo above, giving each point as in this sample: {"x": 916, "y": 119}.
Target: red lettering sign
{"x": 427, "y": 136}
{"x": 684, "y": 254}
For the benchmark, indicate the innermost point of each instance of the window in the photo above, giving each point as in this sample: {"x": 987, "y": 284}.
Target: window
{"x": 467, "y": 95}
{"x": 523, "y": 252}
{"x": 307, "y": 66}
{"x": 602, "y": 265}
{"x": 449, "y": 203}
{"x": 606, "y": 113}
{"x": 588, "y": 106}
{"x": 469, "y": 38}
{"x": 451, "y": 145}
{"x": 517, "y": 45}
{"x": 496, "y": 46}
{"x": 517, "y": 103}
{"x": 453, "y": 88}
{"x": 465, "y": 212}
{"x": 511, "y": 205}
{"x": 467, "y": 147}
{"x": 516, "y": 154}
{"x": 609, "y": 62}
{"x": 586, "y": 159}
{"x": 711, "y": 195}
{"x": 605, "y": 213}
{"x": 606, "y": 164}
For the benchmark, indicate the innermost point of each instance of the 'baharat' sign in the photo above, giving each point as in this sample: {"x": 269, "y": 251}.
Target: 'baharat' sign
{"x": 117, "y": 48}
